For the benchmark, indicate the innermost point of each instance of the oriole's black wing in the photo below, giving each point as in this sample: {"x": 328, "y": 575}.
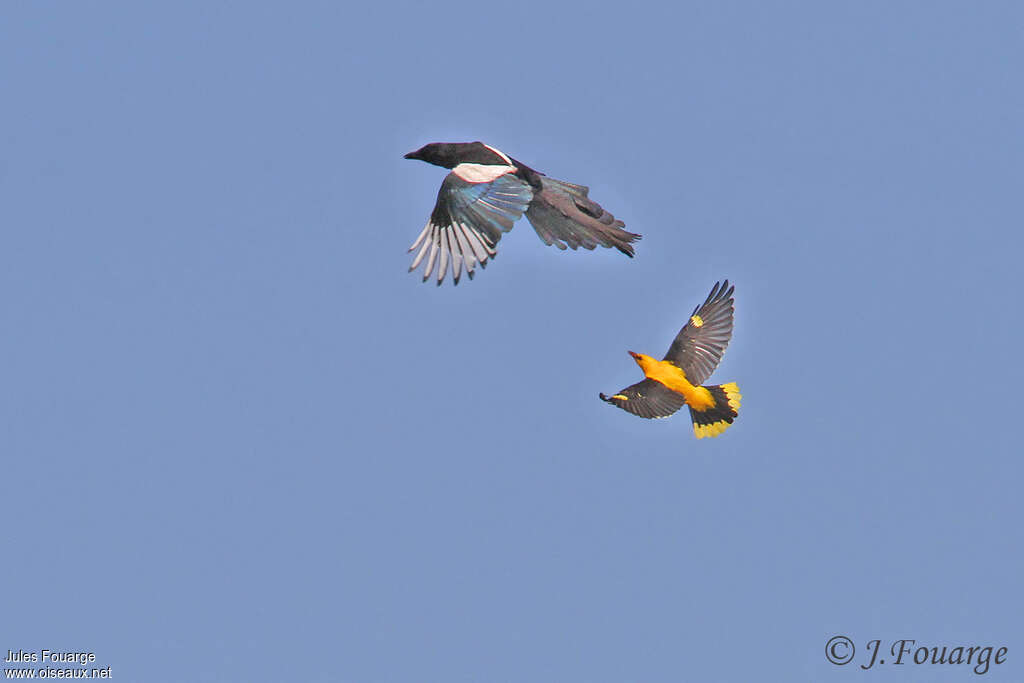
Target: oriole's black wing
{"x": 563, "y": 215}
{"x": 647, "y": 398}
{"x": 467, "y": 222}
{"x": 699, "y": 346}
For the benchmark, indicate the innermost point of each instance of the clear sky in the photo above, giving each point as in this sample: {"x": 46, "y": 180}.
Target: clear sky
{"x": 241, "y": 443}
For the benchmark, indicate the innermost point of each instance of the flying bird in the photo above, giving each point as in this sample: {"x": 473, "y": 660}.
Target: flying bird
{"x": 676, "y": 380}
{"x": 486, "y": 192}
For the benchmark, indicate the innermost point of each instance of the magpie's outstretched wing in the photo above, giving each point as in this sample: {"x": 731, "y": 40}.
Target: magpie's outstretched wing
{"x": 563, "y": 215}
{"x": 467, "y": 222}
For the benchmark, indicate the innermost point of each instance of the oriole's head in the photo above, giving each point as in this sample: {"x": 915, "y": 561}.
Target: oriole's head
{"x": 643, "y": 360}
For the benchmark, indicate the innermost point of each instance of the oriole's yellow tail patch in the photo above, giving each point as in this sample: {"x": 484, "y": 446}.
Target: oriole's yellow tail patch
{"x": 715, "y": 419}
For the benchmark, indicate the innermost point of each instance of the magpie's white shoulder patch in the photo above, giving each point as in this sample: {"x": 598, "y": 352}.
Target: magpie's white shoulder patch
{"x": 500, "y": 154}
{"x": 481, "y": 173}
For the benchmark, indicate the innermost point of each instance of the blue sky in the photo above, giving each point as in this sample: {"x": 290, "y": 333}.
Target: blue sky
{"x": 240, "y": 442}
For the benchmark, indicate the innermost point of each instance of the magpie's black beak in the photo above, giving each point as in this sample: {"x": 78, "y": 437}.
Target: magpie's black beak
{"x": 411, "y": 155}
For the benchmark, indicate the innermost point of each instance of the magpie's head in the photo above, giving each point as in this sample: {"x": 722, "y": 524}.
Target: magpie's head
{"x": 444, "y": 154}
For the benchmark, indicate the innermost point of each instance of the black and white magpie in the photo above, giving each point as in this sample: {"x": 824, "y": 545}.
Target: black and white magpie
{"x": 486, "y": 192}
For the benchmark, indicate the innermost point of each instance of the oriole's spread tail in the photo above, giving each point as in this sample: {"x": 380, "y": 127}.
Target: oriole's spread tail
{"x": 715, "y": 419}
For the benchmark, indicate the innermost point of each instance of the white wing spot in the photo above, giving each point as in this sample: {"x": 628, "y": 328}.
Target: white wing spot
{"x": 481, "y": 173}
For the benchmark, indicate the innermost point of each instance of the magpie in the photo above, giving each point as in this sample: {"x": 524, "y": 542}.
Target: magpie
{"x": 486, "y": 192}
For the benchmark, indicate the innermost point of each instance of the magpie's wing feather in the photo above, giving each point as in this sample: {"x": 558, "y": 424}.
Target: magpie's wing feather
{"x": 563, "y": 215}
{"x": 467, "y": 222}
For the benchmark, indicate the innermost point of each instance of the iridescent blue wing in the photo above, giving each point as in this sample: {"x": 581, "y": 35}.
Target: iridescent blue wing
{"x": 467, "y": 222}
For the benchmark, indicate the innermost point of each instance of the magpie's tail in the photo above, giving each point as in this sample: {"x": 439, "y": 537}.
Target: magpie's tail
{"x": 563, "y": 215}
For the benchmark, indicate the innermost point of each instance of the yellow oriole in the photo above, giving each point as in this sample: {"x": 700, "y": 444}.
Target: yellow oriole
{"x": 676, "y": 380}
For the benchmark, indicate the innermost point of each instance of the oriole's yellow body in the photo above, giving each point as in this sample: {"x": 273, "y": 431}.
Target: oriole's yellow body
{"x": 673, "y": 377}
{"x": 713, "y": 408}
